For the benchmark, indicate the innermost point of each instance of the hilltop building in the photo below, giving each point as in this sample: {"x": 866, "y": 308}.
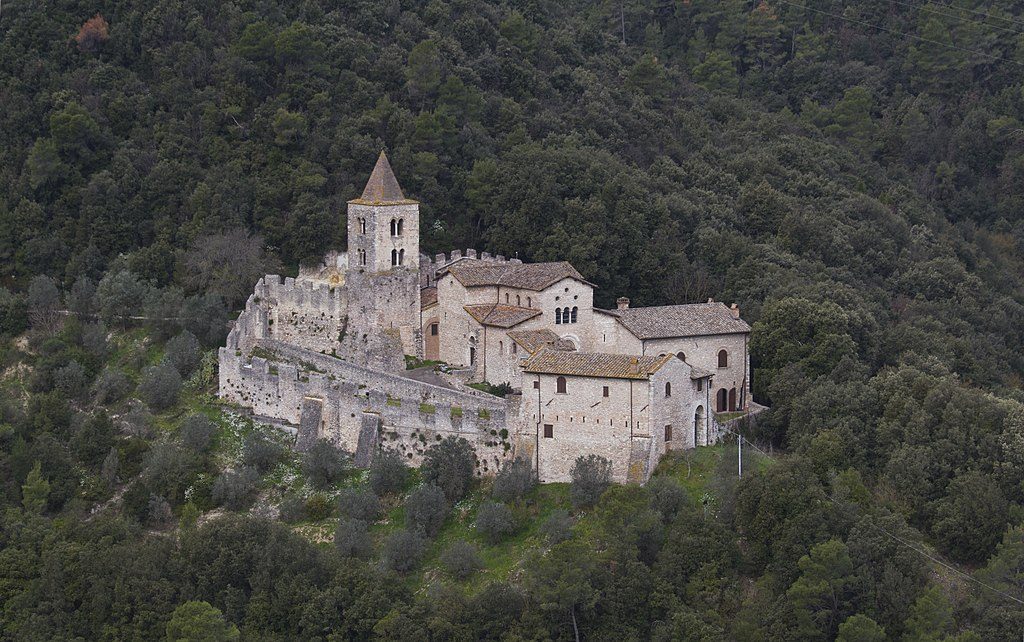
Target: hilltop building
{"x": 327, "y": 352}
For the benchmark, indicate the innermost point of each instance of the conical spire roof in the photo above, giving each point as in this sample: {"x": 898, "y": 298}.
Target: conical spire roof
{"x": 383, "y": 187}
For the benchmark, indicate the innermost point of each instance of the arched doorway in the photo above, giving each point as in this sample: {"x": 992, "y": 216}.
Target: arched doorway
{"x": 698, "y": 425}
{"x": 472, "y": 355}
{"x": 722, "y": 400}
{"x": 732, "y": 400}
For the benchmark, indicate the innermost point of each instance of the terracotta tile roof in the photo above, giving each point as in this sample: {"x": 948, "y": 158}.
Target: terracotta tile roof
{"x": 382, "y": 187}
{"x": 528, "y": 276}
{"x": 500, "y": 315}
{"x": 669, "y": 321}
{"x": 428, "y": 297}
{"x": 698, "y": 373}
{"x": 533, "y": 340}
{"x": 594, "y": 364}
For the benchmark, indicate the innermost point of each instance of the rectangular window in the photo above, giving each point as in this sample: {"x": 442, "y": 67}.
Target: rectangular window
{"x": 536, "y": 385}
{"x": 668, "y": 433}
{"x": 433, "y": 329}
{"x": 549, "y": 431}
{"x": 604, "y": 391}
{"x": 700, "y": 385}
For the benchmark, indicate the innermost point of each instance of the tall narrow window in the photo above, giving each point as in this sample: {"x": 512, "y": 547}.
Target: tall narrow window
{"x": 433, "y": 329}
{"x": 668, "y": 388}
{"x": 668, "y": 433}
{"x": 604, "y": 391}
{"x": 506, "y": 297}
{"x": 401, "y": 222}
{"x": 362, "y": 226}
{"x": 515, "y": 347}
{"x": 394, "y": 227}
{"x": 558, "y": 316}
{"x": 574, "y": 310}
{"x": 700, "y": 385}
{"x": 394, "y": 257}
{"x": 529, "y": 302}
{"x": 401, "y": 257}
{"x": 549, "y": 431}
{"x": 501, "y": 347}
{"x": 519, "y": 300}
{"x": 723, "y": 359}
{"x": 560, "y": 385}
{"x": 362, "y": 257}
{"x": 566, "y": 315}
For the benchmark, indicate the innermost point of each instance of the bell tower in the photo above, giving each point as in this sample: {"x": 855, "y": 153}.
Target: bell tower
{"x": 383, "y": 276}
{"x": 383, "y": 225}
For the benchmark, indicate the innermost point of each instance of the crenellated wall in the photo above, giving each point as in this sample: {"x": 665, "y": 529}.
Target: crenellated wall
{"x": 279, "y": 380}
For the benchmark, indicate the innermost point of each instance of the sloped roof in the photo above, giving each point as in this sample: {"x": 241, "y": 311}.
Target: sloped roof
{"x": 528, "y": 276}
{"x": 382, "y": 187}
{"x": 428, "y": 297}
{"x": 594, "y": 364}
{"x": 670, "y": 321}
{"x": 533, "y": 340}
{"x": 500, "y": 315}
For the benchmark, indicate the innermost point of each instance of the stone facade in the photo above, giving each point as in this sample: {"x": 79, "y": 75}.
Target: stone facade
{"x": 324, "y": 352}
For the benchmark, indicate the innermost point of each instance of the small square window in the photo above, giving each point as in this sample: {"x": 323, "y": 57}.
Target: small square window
{"x": 549, "y": 431}
{"x": 604, "y": 391}
{"x": 536, "y": 385}
{"x": 433, "y": 329}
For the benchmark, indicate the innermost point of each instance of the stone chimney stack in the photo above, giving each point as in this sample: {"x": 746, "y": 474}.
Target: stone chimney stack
{"x": 622, "y": 303}
{"x": 735, "y": 310}
{"x": 634, "y": 364}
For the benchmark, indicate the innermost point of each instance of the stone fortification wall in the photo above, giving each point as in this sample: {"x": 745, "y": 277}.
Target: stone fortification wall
{"x": 429, "y": 267}
{"x": 314, "y": 316}
{"x": 280, "y": 381}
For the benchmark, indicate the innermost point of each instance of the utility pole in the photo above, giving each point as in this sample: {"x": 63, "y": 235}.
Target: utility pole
{"x": 739, "y": 454}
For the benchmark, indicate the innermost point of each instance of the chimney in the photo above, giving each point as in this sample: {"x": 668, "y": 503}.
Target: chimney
{"x": 711, "y": 300}
{"x": 622, "y": 303}
{"x": 735, "y": 310}
{"x": 634, "y": 365}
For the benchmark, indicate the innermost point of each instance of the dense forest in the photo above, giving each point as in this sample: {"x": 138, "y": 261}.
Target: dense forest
{"x": 851, "y": 173}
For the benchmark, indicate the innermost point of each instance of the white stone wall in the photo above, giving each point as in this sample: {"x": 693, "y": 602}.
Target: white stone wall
{"x": 377, "y": 241}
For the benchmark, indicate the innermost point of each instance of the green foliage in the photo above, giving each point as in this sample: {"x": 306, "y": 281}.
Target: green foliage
{"x": 35, "y": 490}
{"x": 591, "y": 475}
{"x": 160, "y": 385}
{"x": 461, "y": 559}
{"x": 359, "y": 503}
{"x": 324, "y": 463}
{"x": 426, "y": 509}
{"x": 351, "y": 539}
{"x": 194, "y": 621}
{"x": 403, "y": 550}
{"x": 388, "y": 473}
{"x": 514, "y": 480}
{"x": 449, "y": 465}
{"x": 495, "y": 521}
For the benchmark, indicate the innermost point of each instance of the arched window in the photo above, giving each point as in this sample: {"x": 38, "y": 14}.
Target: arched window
{"x": 394, "y": 227}
{"x": 732, "y": 399}
{"x": 566, "y": 315}
{"x": 558, "y": 316}
{"x": 401, "y": 257}
{"x": 529, "y": 302}
{"x": 574, "y": 310}
{"x": 506, "y": 297}
{"x": 722, "y": 400}
{"x": 472, "y": 355}
{"x": 682, "y": 357}
{"x": 394, "y": 257}
{"x": 501, "y": 347}
{"x": 723, "y": 359}
{"x": 401, "y": 222}
{"x": 362, "y": 257}
{"x": 668, "y": 388}
{"x": 519, "y": 300}
{"x": 515, "y": 348}
{"x": 560, "y": 385}
{"x": 362, "y": 226}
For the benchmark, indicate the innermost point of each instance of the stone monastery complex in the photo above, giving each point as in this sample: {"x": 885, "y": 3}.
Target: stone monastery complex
{"x": 327, "y": 352}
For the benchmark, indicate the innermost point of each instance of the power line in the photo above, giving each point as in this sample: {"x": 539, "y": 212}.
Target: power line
{"x": 927, "y": 9}
{"x": 896, "y": 538}
{"x": 992, "y": 16}
{"x": 901, "y": 33}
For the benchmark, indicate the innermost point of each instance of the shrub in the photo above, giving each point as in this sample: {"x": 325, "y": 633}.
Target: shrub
{"x": 449, "y": 465}
{"x": 461, "y": 559}
{"x": 160, "y": 514}
{"x": 71, "y": 381}
{"x": 667, "y": 497}
{"x": 495, "y": 521}
{"x": 292, "y": 509}
{"x": 196, "y": 432}
{"x": 261, "y": 453}
{"x": 557, "y": 527}
{"x": 352, "y": 539}
{"x": 234, "y": 489}
{"x": 111, "y": 386}
{"x": 359, "y": 503}
{"x": 590, "y": 476}
{"x": 160, "y": 386}
{"x": 183, "y": 352}
{"x": 403, "y": 550}
{"x": 318, "y": 507}
{"x": 324, "y": 463}
{"x": 94, "y": 340}
{"x": 514, "y": 480}
{"x": 388, "y": 473}
{"x": 426, "y": 509}
{"x": 93, "y": 439}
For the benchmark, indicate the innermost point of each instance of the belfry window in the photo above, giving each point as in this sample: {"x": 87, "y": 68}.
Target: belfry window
{"x": 362, "y": 256}
{"x": 394, "y": 227}
{"x": 401, "y": 223}
{"x": 401, "y": 257}
{"x": 394, "y": 257}
{"x": 362, "y": 226}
